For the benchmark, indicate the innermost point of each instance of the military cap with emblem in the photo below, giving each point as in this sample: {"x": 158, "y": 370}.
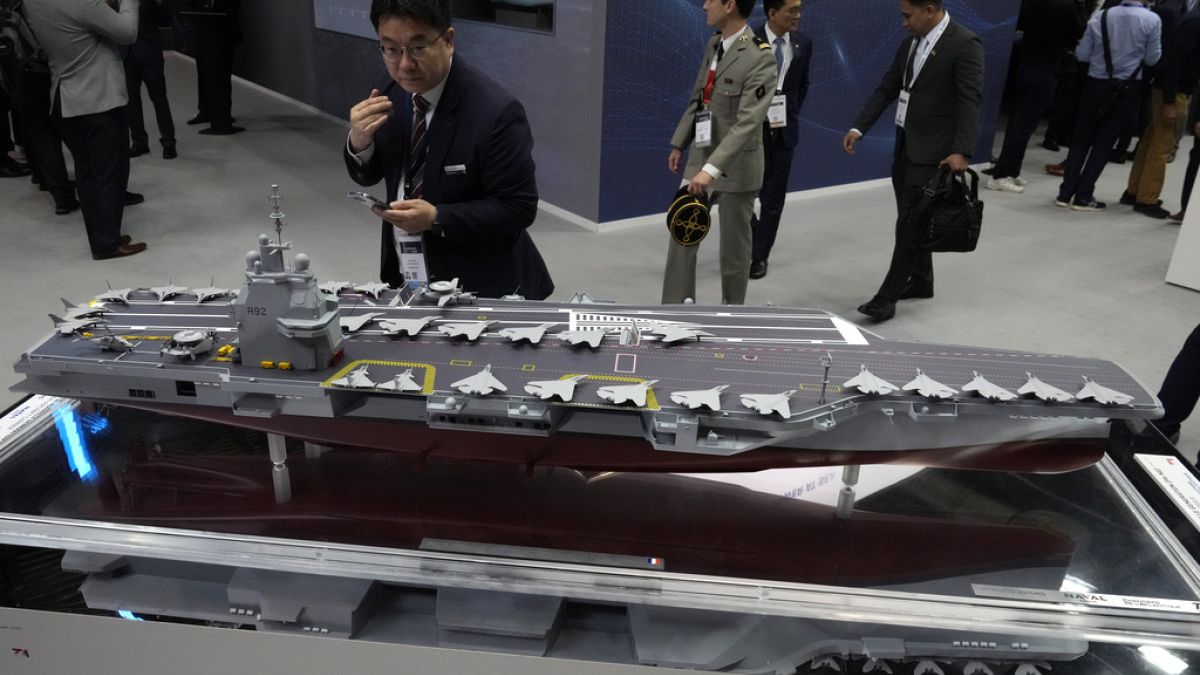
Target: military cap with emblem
{"x": 688, "y": 219}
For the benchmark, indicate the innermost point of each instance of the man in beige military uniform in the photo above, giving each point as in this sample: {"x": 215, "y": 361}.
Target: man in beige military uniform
{"x": 722, "y": 126}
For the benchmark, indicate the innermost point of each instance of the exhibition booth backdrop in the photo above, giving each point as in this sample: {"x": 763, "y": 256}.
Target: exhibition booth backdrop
{"x": 605, "y": 88}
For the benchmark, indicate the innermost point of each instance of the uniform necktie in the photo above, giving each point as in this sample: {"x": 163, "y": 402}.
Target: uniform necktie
{"x": 417, "y": 151}
{"x": 779, "y": 54}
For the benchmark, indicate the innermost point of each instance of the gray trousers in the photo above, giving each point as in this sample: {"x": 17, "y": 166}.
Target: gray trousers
{"x": 679, "y": 279}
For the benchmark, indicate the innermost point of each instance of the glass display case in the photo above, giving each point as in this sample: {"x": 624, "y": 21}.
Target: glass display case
{"x": 182, "y": 526}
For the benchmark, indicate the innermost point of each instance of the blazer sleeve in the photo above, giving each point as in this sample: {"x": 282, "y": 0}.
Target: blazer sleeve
{"x": 752, "y": 110}
{"x": 371, "y": 172}
{"x": 686, "y": 128}
{"x": 120, "y": 26}
{"x": 968, "y": 76}
{"x": 508, "y": 201}
{"x": 887, "y": 91}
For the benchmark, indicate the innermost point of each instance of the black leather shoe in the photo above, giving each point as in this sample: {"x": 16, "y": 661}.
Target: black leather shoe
{"x": 169, "y": 152}
{"x": 121, "y": 251}
{"x": 1152, "y": 210}
{"x": 137, "y": 150}
{"x": 198, "y": 119}
{"x": 132, "y": 198}
{"x": 125, "y": 240}
{"x": 758, "y": 269}
{"x": 916, "y": 291}
{"x": 1050, "y": 145}
{"x": 221, "y": 131}
{"x": 879, "y": 310}
{"x": 10, "y": 169}
{"x": 64, "y": 206}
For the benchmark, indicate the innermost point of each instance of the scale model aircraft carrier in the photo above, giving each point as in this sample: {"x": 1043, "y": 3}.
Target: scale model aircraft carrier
{"x": 587, "y": 386}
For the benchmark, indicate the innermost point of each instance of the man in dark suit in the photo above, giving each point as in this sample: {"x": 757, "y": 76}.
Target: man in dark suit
{"x": 781, "y": 132}
{"x": 217, "y": 32}
{"x": 144, "y": 63}
{"x": 936, "y": 78}
{"x": 456, "y": 152}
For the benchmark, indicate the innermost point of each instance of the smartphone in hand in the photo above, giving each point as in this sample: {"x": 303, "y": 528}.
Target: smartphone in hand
{"x": 368, "y": 199}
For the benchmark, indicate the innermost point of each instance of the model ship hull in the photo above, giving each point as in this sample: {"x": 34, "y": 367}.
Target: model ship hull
{"x": 370, "y": 498}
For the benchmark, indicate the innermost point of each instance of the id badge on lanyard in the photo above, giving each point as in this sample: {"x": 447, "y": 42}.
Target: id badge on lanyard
{"x": 777, "y": 113}
{"x": 704, "y": 129}
{"x": 902, "y": 107}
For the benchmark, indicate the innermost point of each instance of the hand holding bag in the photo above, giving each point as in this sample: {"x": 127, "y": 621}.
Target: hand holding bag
{"x": 949, "y": 213}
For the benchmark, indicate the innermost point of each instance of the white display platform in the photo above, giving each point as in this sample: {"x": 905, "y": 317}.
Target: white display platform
{"x": 1185, "y": 263}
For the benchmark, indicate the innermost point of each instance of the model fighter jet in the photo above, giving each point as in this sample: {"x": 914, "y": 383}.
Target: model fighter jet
{"x": 209, "y": 293}
{"x": 765, "y": 404}
{"x": 547, "y": 389}
{"x": 533, "y": 334}
{"x": 403, "y": 382}
{"x": 705, "y": 398}
{"x": 355, "y": 379}
{"x": 591, "y": 338}
{"x": 670, "y": 334}
{"x": 1101, "y": 394}
{"x": 169, "y": 291}
{"x": 867, "y": 383}
{"x": 115, "y": 295}
{"x": 409, "y": 327}
{"x": 481, "y": 383}
{"x": 72, "y": 312}
{"x": 1046, "y": 392}
{"x": 471, "y": 330}
{"x": 627, "y": 393}
{"x": 987, "y": 390}
{"x": 373, "y": 289}
{"x": 929, "y": 387}
{"x": 71, "y": 326}
{"x": 353, "y": 324}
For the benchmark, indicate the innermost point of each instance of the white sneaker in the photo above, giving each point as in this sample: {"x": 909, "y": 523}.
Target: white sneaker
{"x": 1003, "y": 185}
{"x": 1020, "y": 181}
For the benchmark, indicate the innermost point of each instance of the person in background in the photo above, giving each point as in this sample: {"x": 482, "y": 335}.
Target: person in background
{"x": 1049, "y": 32}
{"x": 721, "y": 129}
{"x": 81, "y": 39}
{"x": 1110, "y": 96}
{"x": 937, "y": 77}
{"x": 455, "y": 150}
{"x": 781, "y": 132}
{"x": 144, "y": 64}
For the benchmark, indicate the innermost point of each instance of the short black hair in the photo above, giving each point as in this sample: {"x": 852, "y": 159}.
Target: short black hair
{"x": 926, "y": 3}
{"x": 745, "y": 8}
{"x": 771, "y": 5}
{"x": 436, "y": 13}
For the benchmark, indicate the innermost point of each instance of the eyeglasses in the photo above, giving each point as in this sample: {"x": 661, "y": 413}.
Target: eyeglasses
{"x": 416, "y": 51}
{"x": 795, "y": 11}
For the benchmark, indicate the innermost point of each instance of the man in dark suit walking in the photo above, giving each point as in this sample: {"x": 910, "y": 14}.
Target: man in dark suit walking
{"x": 456, "y": 152}
{"x": 144, "y": 63}
{"x": 936, "y": 78}
{"x": 793, "y": 52}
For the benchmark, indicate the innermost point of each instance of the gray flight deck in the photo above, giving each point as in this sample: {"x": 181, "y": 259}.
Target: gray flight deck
{"x": 747, "y": 351}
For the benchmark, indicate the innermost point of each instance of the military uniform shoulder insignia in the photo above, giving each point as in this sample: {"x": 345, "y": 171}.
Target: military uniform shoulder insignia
{"x": 762, "y": 44}
{"x": 745, "y": 38}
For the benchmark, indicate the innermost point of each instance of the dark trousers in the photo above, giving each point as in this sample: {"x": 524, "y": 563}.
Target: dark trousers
{"x": 1071, "y": 78}
{"x": 44, "y": 136}
{"x": 6, "y": 130}
{"x": 910, "y": 263}
{"x": 99, "y": 143}
{"x": 149, "y": 71}
{"x": 1094, "y": 137}
{"x": 778, "y": 159}
{"x": 1181, "y": 388}
{"x": 1035, "y": 92}
{"x": 214, "y": 70}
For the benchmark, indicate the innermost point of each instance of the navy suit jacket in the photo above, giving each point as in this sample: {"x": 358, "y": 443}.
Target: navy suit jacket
{"x": 479, "y": 174}
{"x": 795, "y": 85}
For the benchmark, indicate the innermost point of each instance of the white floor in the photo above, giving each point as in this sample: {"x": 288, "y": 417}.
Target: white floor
{"x": 1043, "y": 278}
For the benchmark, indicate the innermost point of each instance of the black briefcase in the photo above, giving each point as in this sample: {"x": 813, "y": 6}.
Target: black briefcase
{"x": 949, "y": 212}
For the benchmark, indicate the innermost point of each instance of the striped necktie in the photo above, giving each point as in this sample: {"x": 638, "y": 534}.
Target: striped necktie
{"x": 417, "y": 150}
{"x": 779, "y": 54}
